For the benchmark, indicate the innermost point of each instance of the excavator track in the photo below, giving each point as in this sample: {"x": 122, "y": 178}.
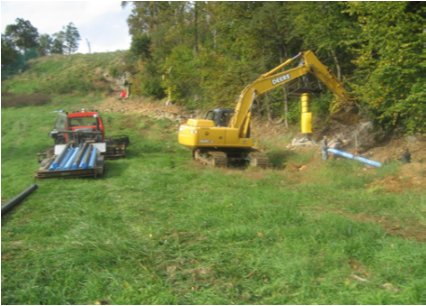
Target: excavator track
{"x": 222, "y": 159}
{"x": 258, "y": 159}
{"x": 212, "y": 158}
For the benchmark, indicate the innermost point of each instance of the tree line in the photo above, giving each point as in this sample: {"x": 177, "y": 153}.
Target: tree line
{"x": 22, "y": 37}
{"x": 206, "y": 52}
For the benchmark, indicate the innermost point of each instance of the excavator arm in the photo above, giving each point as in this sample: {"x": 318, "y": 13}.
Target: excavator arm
{"x": 272, "y": 79}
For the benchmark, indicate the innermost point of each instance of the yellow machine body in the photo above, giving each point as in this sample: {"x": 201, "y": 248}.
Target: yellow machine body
{"x": 202, "y": 134}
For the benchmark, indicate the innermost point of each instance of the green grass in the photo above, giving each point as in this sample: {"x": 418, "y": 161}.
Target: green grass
{"x": 159, "y": 229}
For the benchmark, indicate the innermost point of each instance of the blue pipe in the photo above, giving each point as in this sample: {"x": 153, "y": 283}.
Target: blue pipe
{"x": 351, "y": 156}
{"x": 84, "y": 160}
{"x": 92, "y": 158}
{"x": 77, "y": 159}
{"x": 71, "y": 159}
{"x": 59, "y": 158}
{"x": 65, "y": 159}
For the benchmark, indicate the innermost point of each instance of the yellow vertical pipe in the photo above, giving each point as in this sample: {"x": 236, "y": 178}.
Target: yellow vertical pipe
{"x": 306, "y": 114}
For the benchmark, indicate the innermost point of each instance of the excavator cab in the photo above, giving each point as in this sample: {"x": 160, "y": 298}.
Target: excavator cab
{"x": 220, "y": 116}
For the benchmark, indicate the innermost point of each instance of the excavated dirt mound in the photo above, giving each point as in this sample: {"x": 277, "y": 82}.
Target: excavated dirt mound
{"x": 148, "y": 107}
{"x": 409, "y": 177}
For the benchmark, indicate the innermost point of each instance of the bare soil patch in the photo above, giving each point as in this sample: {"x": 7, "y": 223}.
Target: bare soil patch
{"x": 409, "y": 177}
{"x": 404, "y": 228}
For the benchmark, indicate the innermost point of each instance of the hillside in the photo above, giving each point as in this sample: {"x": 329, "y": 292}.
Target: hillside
{"x": 75, "y": 74}
{"x": 158, "y": 228}
{"x": 92, "y": 74}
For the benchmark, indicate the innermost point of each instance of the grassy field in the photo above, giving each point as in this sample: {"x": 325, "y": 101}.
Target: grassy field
{"x": 159, "y": 229}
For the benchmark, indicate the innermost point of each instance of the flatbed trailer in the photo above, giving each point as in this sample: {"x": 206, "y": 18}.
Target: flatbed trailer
{"x": 67, "y": 162}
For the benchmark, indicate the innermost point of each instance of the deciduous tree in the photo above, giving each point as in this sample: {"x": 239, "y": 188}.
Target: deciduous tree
{"x": 45, "y": 44}
{"x": 390, "y": 78}
{"x": 23, "y": 35}
{"x": 58, "y": 43}
{"x": 8, "y": 52}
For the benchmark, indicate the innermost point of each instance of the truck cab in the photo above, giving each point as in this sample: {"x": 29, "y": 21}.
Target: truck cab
{"x": 85, "y": 122}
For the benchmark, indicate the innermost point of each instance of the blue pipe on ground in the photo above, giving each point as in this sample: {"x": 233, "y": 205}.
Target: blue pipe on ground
{"x": 351, "y": 156}
{"x": 92, "y": 158}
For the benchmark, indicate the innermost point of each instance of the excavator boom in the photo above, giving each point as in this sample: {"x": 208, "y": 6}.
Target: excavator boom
{"x": 270, "y": 80}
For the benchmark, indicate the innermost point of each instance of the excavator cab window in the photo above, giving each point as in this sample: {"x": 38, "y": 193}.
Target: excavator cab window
{"x": 220, "y": 116}
{"x": 211, "y": 115}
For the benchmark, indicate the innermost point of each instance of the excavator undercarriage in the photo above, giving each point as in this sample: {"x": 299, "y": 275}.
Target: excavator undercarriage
{"x": 221, "y": 158}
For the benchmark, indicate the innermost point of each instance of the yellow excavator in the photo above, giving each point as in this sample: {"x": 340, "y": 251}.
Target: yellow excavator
{"x": 225, "y": 133}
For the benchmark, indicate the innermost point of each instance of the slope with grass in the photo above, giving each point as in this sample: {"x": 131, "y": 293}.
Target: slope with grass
{"x": 65, "y": 74}
{"x": 158, "y": 229}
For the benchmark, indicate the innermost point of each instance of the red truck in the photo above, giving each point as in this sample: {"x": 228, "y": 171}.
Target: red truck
{"x": 87, "y": 125}
{"x": 79, "y": 130}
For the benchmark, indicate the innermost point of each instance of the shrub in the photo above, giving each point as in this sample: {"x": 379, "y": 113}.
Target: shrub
{"x": 114, "y": 71}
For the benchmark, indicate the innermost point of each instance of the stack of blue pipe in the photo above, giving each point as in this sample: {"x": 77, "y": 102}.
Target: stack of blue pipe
{"x": 82, "y": 157}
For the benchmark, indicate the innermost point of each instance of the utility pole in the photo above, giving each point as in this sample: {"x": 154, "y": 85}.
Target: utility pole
{"x": 88, "y": 45}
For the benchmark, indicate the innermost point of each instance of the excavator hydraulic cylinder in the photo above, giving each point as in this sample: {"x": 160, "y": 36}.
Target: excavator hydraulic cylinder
{"x": 306, "y": 114}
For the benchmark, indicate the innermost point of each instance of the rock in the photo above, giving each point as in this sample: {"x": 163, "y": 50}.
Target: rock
{"x": 411, "y": 138}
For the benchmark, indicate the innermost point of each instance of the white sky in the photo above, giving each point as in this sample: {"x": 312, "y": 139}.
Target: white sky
{"x": 103, "y": 23}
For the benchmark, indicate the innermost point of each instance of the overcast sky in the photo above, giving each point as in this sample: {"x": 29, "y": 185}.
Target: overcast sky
{"x": 103, "y": 23}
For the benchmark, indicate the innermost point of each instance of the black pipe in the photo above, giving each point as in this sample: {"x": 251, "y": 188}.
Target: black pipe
{"x": 9, "y": 205}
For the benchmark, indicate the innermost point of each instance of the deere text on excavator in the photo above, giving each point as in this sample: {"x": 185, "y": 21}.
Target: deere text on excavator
{"x": 225, "y": 133}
